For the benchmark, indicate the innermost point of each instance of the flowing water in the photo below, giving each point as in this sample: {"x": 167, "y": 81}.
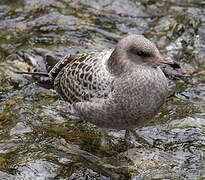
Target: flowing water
{"x": 40, "y": 139}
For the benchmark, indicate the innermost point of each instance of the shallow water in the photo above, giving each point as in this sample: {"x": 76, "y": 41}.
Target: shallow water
{"x": 39, "y": 139}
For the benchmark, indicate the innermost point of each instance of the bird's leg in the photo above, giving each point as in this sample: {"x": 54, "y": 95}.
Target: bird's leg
{"x": 127, "y": 135}
{"x": 104, "y": 142}
{"x": 133, "y": 139}
{"x": 128, "y": 139}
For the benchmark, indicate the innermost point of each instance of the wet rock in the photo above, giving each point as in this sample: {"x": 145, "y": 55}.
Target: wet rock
{"x": 33, "y": 119}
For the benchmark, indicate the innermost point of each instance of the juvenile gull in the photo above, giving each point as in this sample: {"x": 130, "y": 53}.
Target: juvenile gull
{"x": 120, "y": 88}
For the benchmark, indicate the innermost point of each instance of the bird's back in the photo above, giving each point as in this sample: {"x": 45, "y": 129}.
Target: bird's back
{"x": 82, "y": 77}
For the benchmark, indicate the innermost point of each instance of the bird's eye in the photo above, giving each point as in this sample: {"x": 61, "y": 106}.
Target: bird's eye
{"x": 142, "y": 53}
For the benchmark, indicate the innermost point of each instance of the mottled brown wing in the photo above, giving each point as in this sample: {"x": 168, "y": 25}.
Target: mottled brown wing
{"x": 81, "y": 78}
{"x": 60, "y": 65}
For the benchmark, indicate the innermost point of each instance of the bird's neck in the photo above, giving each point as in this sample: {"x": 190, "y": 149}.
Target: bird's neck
{"x": 116, "y": 63}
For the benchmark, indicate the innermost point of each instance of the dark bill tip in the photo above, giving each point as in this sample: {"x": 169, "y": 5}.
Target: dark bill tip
{"x": 171, "y": 63}
{"x": 175, "y": 65}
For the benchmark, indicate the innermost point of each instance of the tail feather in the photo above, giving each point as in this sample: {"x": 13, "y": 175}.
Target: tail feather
{"x": 41, "y": 78}
{"x": 50, "y": 61}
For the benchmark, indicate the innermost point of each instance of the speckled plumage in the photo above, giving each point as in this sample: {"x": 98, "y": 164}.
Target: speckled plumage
{"x": 82, "y": 77}
{"x": 120, "y": 88}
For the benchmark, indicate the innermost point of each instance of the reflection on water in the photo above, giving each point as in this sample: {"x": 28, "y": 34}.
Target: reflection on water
{"x": 39, "y": 139}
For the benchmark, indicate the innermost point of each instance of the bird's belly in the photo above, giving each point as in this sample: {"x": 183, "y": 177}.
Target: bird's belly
{"x": 137, "y": 103}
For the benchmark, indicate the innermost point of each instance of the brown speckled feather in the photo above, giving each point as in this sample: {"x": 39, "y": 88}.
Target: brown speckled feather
{"x": 82, "y": 77}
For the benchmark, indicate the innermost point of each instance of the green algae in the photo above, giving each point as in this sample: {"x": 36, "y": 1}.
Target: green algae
{"x": 33, "y": 120}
